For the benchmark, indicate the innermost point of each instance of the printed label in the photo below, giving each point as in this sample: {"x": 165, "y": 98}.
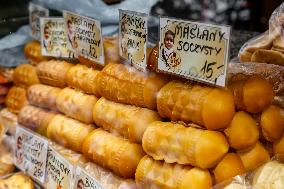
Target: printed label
{"x": 84, "y": 36}
{"x": 59, "y": 171}
{"x": 133, "y": 38}
{"x": 53, "y": 38}
{"x": 35, "y": 12}
{"x": 31, "y": 153}
{"x": 85, "y": 181}
{"x": 194, "y": 50}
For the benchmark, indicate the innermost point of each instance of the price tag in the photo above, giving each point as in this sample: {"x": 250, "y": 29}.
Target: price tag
{"x": 31, "y": 153}
{"x": 35, "y": 12}
{"x": 53, "y": 38}
{"x": 84, "y": 36}
{"x": 133, "y": 38}
{"x": 194, "y": 50}
{"x": 85, "y": 181}
{"x": 59, "y": 171}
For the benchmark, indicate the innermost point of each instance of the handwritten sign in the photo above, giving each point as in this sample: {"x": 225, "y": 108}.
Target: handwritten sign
{"x": 31, "y": 153}
{"x": 85, "y": 181}
{"x": 194, "y": 50}
{"x": 133, "y": 38}
{"x": 59, "y": 171}
{"x": 35, "y": 12}
{"x": 53, "y": 38}
{"x": 84, "y": 36}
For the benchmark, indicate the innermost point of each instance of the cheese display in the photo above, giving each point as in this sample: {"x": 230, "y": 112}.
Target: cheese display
{"x": 242, "y": 132}
{"x": 185, "y": 145}
{"x": 76, "y": 104}
{"x": 248, "y": 92}
{"x": 25, "y": 75}
{"x": 68, "y": 132}
{"x": 43, "y": 96}
{"x": 210, "y": 107}
{"x": 53, "y": 72}
{"x": 36, "y": 119}
{"x": 124, "y": 84}
{"x": 113, "y": 152}
{"x": 124, "y": 120}
{"x": 230, "y": 166}
{"x": 83, "y": 78}
{"x": 16, "y": 99}
{"x": 32, "y": 51}
{"x": 153, "y": 174}
{"x": 272, "y": 123}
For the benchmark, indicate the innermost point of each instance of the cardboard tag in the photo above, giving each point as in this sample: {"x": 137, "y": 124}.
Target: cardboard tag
{"x": 59, "y": 171}
{"x": 84, "y": 36}
{"x": 84, "y": 180}
{"x": 35, "y": 12}
{"x": 53, "y": 38}
{"x": 133, "y": 36}
{"x": 31, "y": 153}
{"x": 194, "y": 50}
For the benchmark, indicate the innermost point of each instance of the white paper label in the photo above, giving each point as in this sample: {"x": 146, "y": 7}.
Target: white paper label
{"x": 84, "y": 180}
{"x": 84, "y": 36}
{"x": 133, "y": 38}
{"x": 53, "y": 38}
{"x": 35, "y": 12}
{"x": 194, "y": 50}
{"x": 31, "y": 153}
{"x": 59, "y": 171}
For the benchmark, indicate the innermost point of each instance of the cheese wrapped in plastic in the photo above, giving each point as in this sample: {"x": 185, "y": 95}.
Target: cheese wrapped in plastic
{"x": 113, "y": 152}
{"x": 16, "y": 99}
{"x": 269, "y": 176}
{"x": 230, "y": 166}
{"x": 36, "y": 119}
{"x": 254, "y": 157}
{"x": 32, "y": 51}
{"x": 243, "y": 131}
{"x": 185, "y": 145}
{"x": 6, "y": 161}
{"x": 153, "y": 174}
{"x": 76, "y": 104}
{"x": 53, "y": 72}
{"x": 68, "y": 132}
{"x": 83, "y": 78}
{"x": 272, "y": 123}
{"x": 210, "y": 107}
{"x": 25, "y": 75}
{"x": 124, "y": 84}
{"x": 252, "y": 94}
{"x": 278, "y": 146}
{"x": 125, "y": 120}
{"x": 17, "y": 181}
{"x": 43, "y": 96}
{"x": 9, "y": 120}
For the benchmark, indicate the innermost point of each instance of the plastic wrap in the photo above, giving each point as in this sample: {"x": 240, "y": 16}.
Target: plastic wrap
{"x": 43, "y": 96}
{"x": 113, "y": 152}
{"x": 25, "y": 75}
{"x": 276, "y": 21}
{"x": 6, "y": 160}
{"x": 125, "y": 120}
{"x": 76, "y": 104}
{"x": 9, "y": 120}
{"x": 185, "y": 145}
{"x": 16, "y": 99}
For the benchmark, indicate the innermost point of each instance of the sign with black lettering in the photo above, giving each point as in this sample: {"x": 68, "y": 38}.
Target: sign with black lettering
{"x": 133, "y": 38}
{"x": 84, "y": 180}
{"x": 53, "y": 38}
{"x": 194, "y": 50}
{"x": 59, "y": 171}
{"x": 31, "y": 153}
{"x": 35, "y": 12}
{"x": 84, "y": 36}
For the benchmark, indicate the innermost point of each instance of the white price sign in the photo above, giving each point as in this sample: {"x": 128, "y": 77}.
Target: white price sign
{"x": 35, "y": 12}
{"x": 85, "y": 181}
{"x": 59, "y": 171}
{"x": 31, "y": 153}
